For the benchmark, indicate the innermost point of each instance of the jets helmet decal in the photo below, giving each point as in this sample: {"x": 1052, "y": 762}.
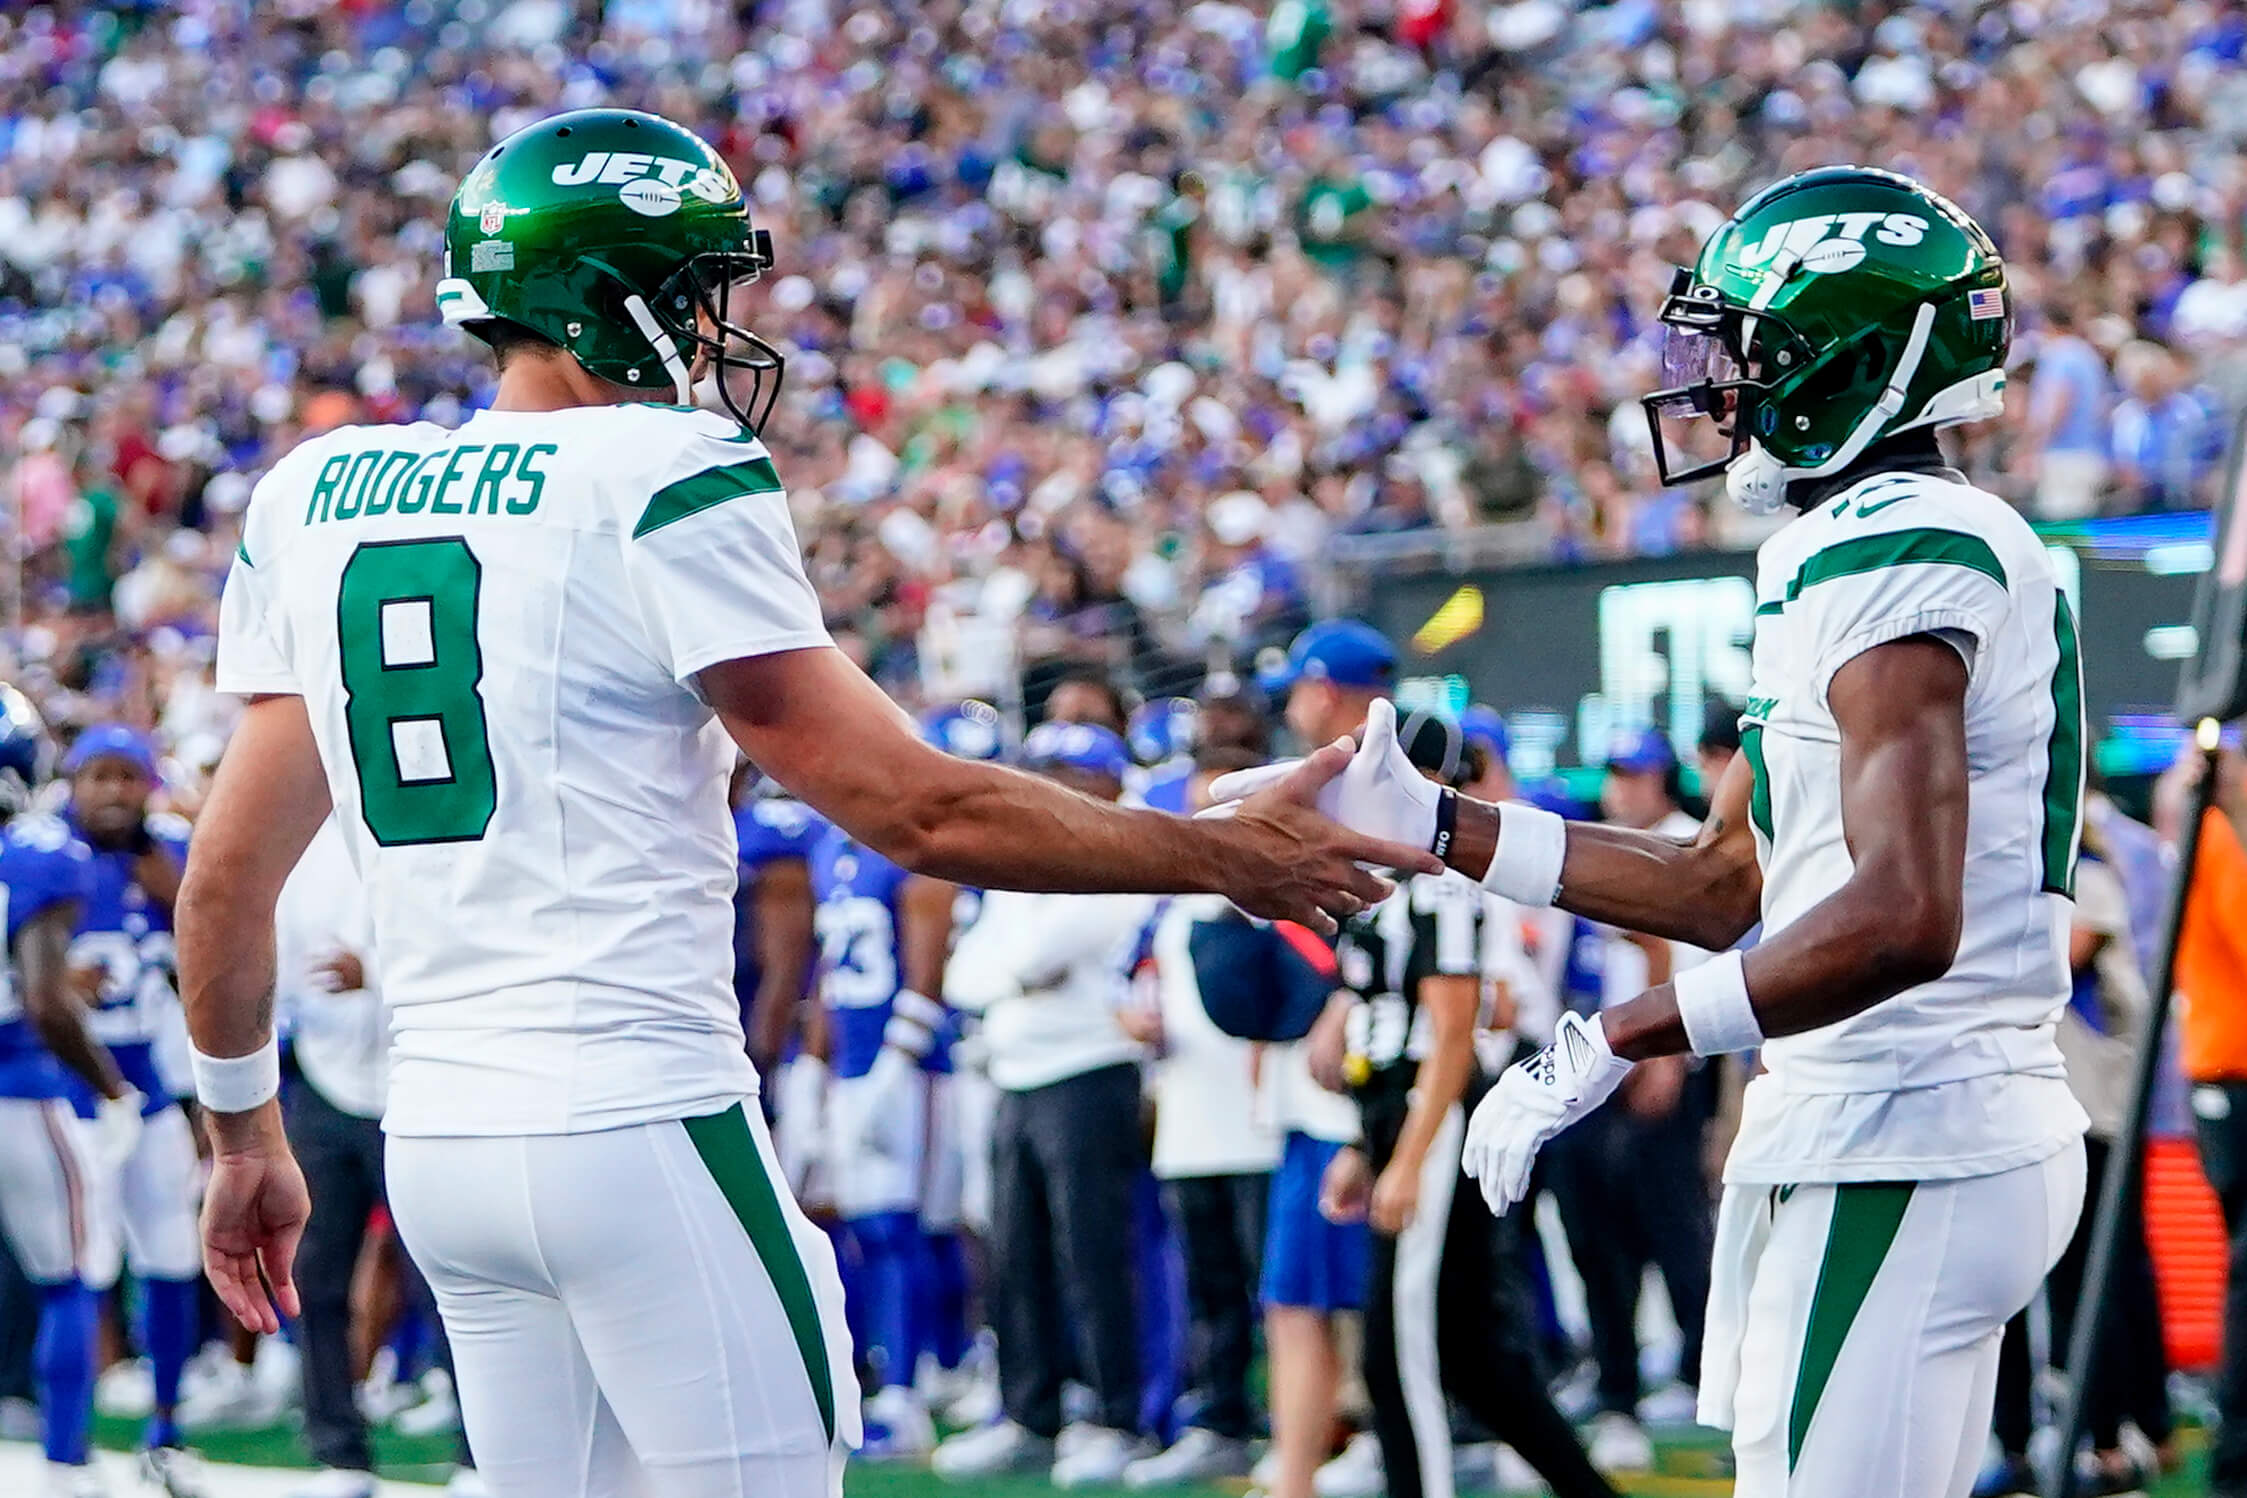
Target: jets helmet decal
{"x": 1835, "y": 308}
{"x": 623, "y": 239}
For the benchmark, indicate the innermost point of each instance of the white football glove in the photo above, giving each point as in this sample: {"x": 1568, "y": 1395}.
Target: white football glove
{"x": 884, "y": 1126}
{"x": 117, "y": 1125}
{"x": 1381, "y": 794}
{"x": 1535, "y": 1099}
{"x": 800, "y": 1133}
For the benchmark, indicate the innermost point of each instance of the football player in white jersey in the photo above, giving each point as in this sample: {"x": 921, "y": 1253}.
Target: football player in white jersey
{"x": 1903, "y": 818}
{"x": 517, "y": 657}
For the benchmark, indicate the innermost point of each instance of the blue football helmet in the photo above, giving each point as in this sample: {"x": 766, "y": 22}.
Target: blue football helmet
{"x": 1162, "y": 728}
{"x": 965, "y": 730}
{"x": 26, "y": 753}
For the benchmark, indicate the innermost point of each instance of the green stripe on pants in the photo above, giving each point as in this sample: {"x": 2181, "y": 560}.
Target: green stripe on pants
{"x": 1865, "y": 1219}
{"x": 729, "y": 1152}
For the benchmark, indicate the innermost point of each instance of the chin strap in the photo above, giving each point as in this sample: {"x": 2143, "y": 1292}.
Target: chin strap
{"x": 665, "y": 346}
{"x": 1758, "y": 481}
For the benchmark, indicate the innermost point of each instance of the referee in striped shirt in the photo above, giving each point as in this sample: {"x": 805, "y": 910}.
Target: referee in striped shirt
{"x": 1446, "y": 1314}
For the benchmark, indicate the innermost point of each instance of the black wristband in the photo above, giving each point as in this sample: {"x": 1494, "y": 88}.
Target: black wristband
{"x": 1447, "y": 822}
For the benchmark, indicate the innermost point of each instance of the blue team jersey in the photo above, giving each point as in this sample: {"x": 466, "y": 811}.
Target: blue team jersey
{"x": 41, "y": 865}
{"x": 859, "y": 962}
{"x": 767, "y": 830}
{"x": 773, "y": 829}
{"x": 127, "y": 934}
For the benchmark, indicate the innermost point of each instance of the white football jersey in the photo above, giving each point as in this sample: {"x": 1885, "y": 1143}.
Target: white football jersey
{"x": 496, "y": 632}
{"x": 1961, "y": 1076}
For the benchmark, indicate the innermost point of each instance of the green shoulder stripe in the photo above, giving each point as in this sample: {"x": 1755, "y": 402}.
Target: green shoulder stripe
{"x": 700, "y": 491}
{"x": 1894, "y": 549}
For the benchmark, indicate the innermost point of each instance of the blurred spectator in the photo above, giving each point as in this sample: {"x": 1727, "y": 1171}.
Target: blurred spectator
{"x": 1045, "y": 973}
{"x": 1719, "y": 741}
{"x": 1214, "y": 1157}
{"x": 2069, "y": 402}
{"x": 2168, "y": 437}
{"x": 1084, "y": 695}
{"x": 1108, "y": 340}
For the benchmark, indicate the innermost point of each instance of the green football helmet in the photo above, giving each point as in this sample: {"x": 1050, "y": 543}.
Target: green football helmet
{"x": 1837, "y": 307}
{"x": 620, "y": 238}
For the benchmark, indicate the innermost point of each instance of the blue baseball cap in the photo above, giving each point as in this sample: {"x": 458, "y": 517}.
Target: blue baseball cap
{"x": 1642, "y": 751}
{"x": 1347, "y": 652}
{"x": 1077, "y": 746}
{"x": 968, "y": 730}
{"x": 1161, "y": 728}
{"x": 1483, "y": 726}
{"x": 111, "y": 741}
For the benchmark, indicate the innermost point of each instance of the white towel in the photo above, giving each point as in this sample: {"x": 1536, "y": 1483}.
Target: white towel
{"x": 1743, "y": 1229}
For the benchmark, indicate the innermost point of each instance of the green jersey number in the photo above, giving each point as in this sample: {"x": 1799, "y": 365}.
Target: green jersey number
{"x": 406, "y": 620}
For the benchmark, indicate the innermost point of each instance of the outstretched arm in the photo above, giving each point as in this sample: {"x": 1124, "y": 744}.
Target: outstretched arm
{"x": 1705, "y": 890}
{"x": 1895, "y": 923}
{"x": 815, "y": 723}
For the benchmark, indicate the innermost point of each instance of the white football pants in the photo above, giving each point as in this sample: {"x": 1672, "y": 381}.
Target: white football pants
{"x": 1853, "y": 1330}
{"x": 640, "y": 1311}
{"x": 143, "y": 1211}
{"x": 46, "y": 1185}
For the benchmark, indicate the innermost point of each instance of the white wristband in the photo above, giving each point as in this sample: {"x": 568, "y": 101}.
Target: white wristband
{"x": 236, "y": 1084}
{"x": 1712, "y": 1000}
{"x": 1532, "y": 844}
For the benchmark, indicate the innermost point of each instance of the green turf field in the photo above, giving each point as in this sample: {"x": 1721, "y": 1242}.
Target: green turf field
{"x": 1691, "y": 1466}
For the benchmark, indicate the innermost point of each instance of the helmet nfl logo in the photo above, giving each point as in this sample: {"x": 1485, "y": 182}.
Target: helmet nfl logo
{"x": 494, "y": 217}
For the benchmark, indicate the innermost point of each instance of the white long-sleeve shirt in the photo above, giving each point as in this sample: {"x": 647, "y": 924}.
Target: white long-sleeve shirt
{"x": 1046, "y": 972}
{"x": 1205, "y": 1083}
{"x": 342, "y": 1040}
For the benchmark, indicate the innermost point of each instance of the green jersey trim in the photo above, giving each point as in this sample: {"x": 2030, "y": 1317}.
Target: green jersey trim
{"x": 706, "y": 490}
{"x": 1924, "y": 545}
{"x": 1759, "y": 786}
{"x": 1866, "y": 1217}
{"x": 730, "y": 1153}
{"x": 2063, "y": 774}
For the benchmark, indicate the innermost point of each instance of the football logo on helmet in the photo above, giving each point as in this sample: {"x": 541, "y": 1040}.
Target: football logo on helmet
{"x": 648, "y": 196}
{"x": 1832, "y": 241}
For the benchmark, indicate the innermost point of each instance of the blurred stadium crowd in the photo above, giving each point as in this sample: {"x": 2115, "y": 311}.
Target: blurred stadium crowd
{"x": 1109, "y": 321}
{"x": 1109, "y": 325}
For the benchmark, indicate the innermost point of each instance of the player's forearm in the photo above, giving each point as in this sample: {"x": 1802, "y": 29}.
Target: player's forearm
{"x": 1001, "y": 828}
{"x": 226, "y": 970}
{"x": 924, "y": 936}
{"x": 1869, "y": 941}
{"x": 62, "y": 1029}
{"x": 784, "y": 955}
{"x": 1699, "y": 891}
